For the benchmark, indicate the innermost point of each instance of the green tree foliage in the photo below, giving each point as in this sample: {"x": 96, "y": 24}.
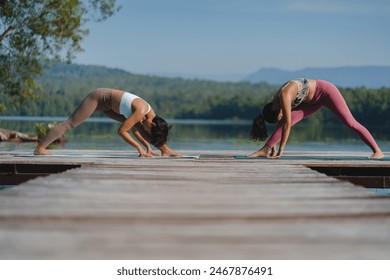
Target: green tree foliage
{"x": 34, "y": 31}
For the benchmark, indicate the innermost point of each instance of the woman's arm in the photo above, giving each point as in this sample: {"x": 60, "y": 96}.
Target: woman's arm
{"x": 285, "y": 104}
{"x": 286, "y": 109}
{"x": 127, "y": 125}
{"x": 140, "y": 133}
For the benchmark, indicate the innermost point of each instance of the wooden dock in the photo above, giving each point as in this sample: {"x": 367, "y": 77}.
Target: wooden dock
{"x": 213, "y": 207}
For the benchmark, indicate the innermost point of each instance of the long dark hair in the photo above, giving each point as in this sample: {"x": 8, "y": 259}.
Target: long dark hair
{"x": 259, "y": 130}
{"x": 270, "y": 115}
{"x": 159, "y": 132}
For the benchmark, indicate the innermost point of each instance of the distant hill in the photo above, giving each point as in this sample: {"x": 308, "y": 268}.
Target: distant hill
{"x": 352, "y": 76}
{"x": 64, "y": 86}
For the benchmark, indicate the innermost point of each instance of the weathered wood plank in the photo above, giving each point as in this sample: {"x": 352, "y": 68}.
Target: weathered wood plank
{"x": 214, "y": 207}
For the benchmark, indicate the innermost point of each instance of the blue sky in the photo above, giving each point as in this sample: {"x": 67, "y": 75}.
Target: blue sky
{"x": 230, "y": 38}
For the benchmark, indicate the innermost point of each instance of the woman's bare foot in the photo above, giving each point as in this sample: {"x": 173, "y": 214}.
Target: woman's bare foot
{"x": 377, "y": 154}
{"x": 263, "y": 152}
{"x": 168, "y": 152}
{"x": 39, "y": 150}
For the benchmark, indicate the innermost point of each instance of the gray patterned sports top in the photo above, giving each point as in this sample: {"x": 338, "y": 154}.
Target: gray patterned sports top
{"x": 302, "y": 93}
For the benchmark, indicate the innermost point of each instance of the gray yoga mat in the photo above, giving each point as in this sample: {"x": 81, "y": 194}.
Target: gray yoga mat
{"x": 307, "y": 157}
{"x": 98, "y": 155}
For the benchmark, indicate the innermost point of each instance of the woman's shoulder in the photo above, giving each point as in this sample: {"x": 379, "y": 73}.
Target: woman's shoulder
{"x": 288, "y": 86}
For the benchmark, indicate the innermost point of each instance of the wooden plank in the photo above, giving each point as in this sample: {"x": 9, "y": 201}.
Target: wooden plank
{"x": 296, "y": 239}
{"x": 214, "y": 207}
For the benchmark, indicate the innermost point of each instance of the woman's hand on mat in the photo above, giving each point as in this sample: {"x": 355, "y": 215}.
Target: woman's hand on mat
{"x": 273, "y": 151}
{"x": 153, "y": 153}
{"x": 143, "y": 153}
{"x": 275, "y": 156}
{"x": 278, "y": 155}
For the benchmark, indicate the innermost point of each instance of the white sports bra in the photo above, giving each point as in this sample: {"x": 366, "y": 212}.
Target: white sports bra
{"x": 125, "y": 105}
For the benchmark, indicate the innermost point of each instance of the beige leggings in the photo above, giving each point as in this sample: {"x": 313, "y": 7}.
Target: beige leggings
{"x": 99, "y": 100}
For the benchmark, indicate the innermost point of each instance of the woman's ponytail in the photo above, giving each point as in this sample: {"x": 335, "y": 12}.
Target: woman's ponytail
{"x": 259, "y": 130}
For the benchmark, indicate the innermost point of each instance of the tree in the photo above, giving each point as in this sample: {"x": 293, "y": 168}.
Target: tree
{"x": 35, "y": 32}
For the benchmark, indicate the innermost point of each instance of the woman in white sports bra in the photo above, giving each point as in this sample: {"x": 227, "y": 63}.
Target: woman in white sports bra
{"x": 133, "y": 112}
{"x": 296, "y": 100}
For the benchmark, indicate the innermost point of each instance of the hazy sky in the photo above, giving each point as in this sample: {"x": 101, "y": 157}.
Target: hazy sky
{"x": 238, "y": 37}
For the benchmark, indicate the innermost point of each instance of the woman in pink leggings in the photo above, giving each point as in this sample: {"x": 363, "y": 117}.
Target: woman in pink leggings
{"x": 133, "y": 112}
{"x": 296, "y": 100}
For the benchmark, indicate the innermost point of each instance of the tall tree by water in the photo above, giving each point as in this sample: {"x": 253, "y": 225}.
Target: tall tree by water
{"x": 33, "y": 32}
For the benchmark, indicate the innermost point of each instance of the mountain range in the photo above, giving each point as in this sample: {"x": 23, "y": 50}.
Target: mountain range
{"x": 350, "y": 76}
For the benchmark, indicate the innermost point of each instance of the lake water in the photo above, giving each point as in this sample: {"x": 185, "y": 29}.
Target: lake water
{"x": 101, "y": 133}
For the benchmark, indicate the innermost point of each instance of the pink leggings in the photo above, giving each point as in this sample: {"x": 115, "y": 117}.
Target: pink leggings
{"x": 326, "y": 95}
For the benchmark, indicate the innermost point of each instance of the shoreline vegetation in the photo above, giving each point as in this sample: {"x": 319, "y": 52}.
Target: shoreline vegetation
{"x": 181, "y": 101}
{"x": 63, "y": 86}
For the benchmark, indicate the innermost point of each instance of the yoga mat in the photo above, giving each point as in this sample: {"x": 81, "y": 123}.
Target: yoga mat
{"x": 286, "y": 157}
{"x": 99, "y": 155}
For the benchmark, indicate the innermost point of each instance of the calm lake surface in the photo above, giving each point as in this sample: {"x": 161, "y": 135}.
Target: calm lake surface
{"x": 101, "y": 133}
